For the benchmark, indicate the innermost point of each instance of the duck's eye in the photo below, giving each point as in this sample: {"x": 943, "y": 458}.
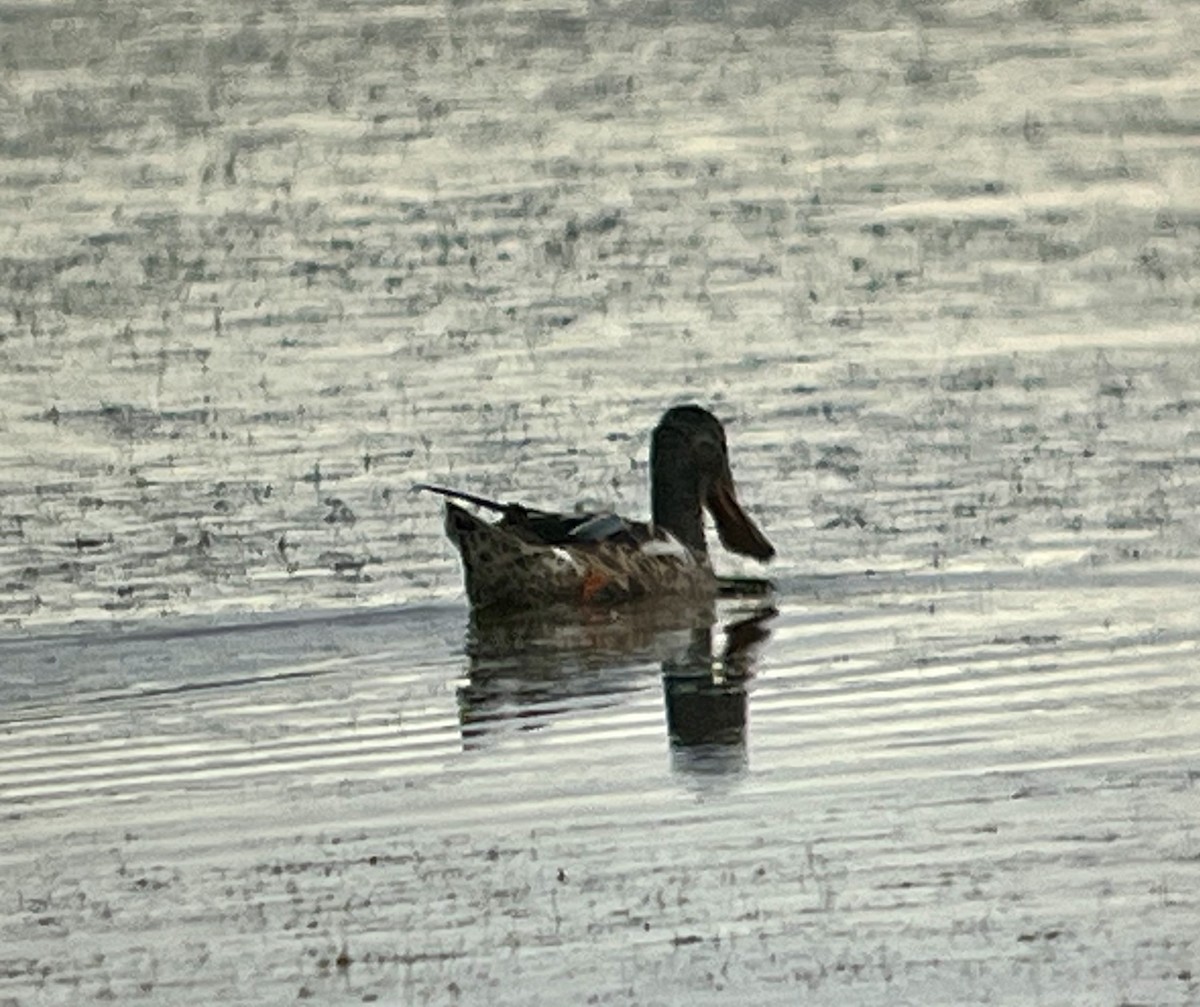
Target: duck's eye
{"x": 708, "y": 453}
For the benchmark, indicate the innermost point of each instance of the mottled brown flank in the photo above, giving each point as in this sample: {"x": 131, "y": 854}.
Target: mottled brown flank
{"x": 504, "y": 572}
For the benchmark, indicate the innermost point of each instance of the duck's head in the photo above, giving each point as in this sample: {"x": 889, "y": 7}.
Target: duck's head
{"x": 689, "y": 468}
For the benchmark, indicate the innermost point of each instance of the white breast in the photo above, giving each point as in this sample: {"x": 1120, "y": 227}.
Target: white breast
{"x": 666, "y": 544}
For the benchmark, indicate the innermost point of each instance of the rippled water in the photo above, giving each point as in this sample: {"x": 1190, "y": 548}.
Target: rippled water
{"x": 935, "y": 265}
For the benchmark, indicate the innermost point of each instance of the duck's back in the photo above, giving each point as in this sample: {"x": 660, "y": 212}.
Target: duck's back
{"x": 533, "y": 560}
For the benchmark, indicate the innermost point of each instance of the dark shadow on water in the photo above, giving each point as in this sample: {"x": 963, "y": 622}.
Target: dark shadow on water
{"x": 524, "y": 672}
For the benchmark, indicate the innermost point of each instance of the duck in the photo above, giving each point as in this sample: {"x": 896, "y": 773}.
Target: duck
{"x": 532, "y": 560}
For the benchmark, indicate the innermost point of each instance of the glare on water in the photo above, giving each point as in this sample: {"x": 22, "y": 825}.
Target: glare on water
{"x": 934, "y": 266}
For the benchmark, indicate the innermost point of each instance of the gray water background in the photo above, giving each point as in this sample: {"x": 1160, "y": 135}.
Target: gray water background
{"x": 265, "y": 268}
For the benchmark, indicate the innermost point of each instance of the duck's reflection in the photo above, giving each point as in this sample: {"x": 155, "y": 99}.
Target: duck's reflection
{"x": 522, "y": 673}
{"x": 706, "y": 699}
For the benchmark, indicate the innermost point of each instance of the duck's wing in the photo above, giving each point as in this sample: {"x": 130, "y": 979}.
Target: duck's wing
{"x": 550, "y": 528}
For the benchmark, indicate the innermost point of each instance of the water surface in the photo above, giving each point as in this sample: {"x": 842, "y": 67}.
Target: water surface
{"x": 934, "y": 264}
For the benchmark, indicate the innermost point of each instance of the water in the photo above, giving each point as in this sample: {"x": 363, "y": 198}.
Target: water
{"x": 935, "y": 266}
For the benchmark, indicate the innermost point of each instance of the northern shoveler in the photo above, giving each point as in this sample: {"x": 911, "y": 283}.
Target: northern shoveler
{"x": 531, "y": 559}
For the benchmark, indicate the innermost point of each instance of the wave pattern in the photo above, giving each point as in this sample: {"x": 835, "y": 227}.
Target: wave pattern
{"x": 940, "y": 284}
{"x": 923, "y": 801}
{"x": 262, "y": 271}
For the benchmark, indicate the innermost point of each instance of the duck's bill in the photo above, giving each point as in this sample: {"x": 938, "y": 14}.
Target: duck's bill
{"x": 738, "y": 533}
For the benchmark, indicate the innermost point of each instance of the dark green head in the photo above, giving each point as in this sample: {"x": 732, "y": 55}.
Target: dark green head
{"x": 689, "y": 468}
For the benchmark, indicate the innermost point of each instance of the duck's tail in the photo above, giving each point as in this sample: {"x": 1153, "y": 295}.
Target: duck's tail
{"x": 471, "y": 498}
{"x": 463, "y": 526}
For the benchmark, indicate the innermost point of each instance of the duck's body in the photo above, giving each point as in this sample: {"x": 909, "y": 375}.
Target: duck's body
{"x": 514, "y": 564}
{"x": 532, "y": 559}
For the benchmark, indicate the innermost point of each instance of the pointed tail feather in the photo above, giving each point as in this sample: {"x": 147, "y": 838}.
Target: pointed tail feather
{"x": 478, "y": 501}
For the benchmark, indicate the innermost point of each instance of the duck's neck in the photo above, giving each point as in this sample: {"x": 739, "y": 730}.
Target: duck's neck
{"x": 675, "y": 498}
